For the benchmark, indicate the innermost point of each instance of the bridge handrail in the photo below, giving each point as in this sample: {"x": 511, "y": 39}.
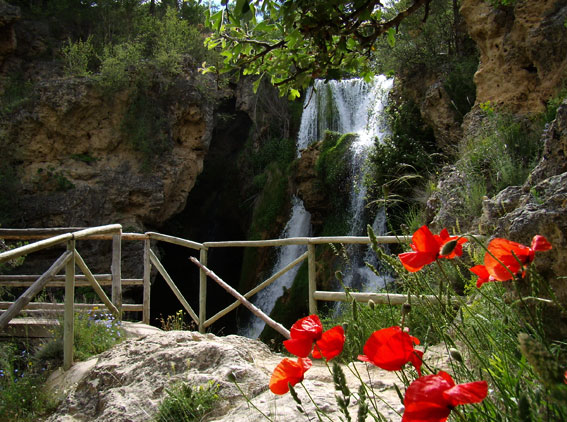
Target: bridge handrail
{"x": 55, "y": 240}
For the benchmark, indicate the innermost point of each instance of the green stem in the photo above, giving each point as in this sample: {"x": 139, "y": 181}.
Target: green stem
{"x": 250, "y": 402}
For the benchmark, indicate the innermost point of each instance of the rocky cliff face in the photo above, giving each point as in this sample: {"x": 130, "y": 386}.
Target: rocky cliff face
{"x": 523, "y": 65}
{"x": 76, "y": 167}
{"x": 523, "y": 51}
{"x": 73, "y": 162}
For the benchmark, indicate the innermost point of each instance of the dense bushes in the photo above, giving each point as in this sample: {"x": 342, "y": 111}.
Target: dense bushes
{"x": 401, "y": 165}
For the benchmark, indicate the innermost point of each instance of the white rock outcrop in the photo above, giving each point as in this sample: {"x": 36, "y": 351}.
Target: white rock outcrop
{"x": 128, "y": 382}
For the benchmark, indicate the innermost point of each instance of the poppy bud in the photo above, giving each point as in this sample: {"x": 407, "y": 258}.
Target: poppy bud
{"x": 406, "y": 309}
{"x": 345, "y": 326}
{"x": 455, "y": 355}
{"x": 449, "y": 247}
{"x": 371, "y": 304}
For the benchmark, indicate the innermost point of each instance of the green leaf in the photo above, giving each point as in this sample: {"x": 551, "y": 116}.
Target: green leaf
{"x": 391, "y": 37}
{"x": 293, "y": 94}
{"x": 256, "y": 83}
{"x": 216, "y": 20}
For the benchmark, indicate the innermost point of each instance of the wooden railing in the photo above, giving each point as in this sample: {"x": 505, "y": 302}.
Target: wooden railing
{"x": 67, "y": 261}
{"x": 71, "y": 258}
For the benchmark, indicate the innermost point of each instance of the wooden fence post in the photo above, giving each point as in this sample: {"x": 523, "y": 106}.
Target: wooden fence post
{"x": 69, "y": 315}
{"x": 147, "y": 284}
{"x": 202, "y": 291}
{"x": 312, "y": 279}
{"x": 116, "y": 270}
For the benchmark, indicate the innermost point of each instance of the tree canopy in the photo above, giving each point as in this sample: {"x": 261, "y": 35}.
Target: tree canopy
{"x": 294, "y": 41}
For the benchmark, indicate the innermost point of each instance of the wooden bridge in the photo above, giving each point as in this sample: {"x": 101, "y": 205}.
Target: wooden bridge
{"x": 71, "y": 259}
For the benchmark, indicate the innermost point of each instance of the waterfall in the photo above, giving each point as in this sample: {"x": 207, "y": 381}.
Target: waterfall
{"x": 348, "y": 106}
{"x": 298, "y": 225}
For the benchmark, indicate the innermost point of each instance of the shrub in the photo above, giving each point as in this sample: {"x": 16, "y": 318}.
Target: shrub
{"x": 17, "y": 93}
{"x": 118, "y": 62}
{"x": 146, "y": 126}
{"x": 77, "y": 56}
{"x": 94, "y": 333}
{"x": 502, "y": 155}
{"x": 22, "y": 396}
{"x": 185, "y": 403}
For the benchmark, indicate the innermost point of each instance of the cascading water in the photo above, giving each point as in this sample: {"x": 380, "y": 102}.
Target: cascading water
{"x": 348, "y": 106}
{"x": 299, "y": 225}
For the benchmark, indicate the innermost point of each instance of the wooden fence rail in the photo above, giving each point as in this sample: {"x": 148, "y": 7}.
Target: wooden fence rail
{"x": 71, "y": 259}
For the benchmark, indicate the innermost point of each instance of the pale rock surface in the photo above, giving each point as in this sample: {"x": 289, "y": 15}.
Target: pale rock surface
{"x": 128, "y": 382}
{"x": 523, "y": 51}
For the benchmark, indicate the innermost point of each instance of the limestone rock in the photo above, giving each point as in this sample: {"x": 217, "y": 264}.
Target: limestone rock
{"x": 128, "y": 382}
{"x": 8, "y": 16}
{"x": 77, "y": 169}
{"x": 308, "y": 188}
{"x": 523, "y": 51}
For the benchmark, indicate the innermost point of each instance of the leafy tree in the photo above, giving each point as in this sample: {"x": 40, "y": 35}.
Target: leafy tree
{"x": 295, "y": 41}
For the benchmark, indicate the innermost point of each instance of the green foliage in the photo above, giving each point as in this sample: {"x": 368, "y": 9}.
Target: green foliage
{"x": 94, "y": 333}
{"x": 77, "y": 56}
{"x": 333, "y": 163}
{"x": 295, "y": 41}
{"x": 403, "y": 162}
{"x": 117, "y": 63}
{"x": 501, "y": 155}
{"x": 146, "y": 126}
{"x": 270, "y": 202}
{"x": 17, "y": 93}
{"x": 460, "y": 86}
{"x": 185, "y": 403}
{"x": 422, "y": 46}
{"x": 22, "y": 395}
{"x": 553, "y": 104}
{"x": 85, "y": 158}
{"x": 49, "y": 179}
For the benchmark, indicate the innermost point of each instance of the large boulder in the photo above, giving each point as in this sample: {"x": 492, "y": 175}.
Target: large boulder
{"x": 127, "y": 383}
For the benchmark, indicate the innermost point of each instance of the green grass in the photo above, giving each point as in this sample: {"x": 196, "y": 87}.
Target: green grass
{"x": 185, "y": 403}
{"x": 498, "y": 333}
{"x": 24, "y": 369}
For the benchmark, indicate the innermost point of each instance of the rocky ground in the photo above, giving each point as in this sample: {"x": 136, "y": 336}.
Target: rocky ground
{"x": 128, "y": 382}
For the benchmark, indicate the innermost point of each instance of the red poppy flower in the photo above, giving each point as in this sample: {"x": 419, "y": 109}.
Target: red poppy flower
{"x": 309, "y": 330}
{"x": 428, "y": 247}
{"x": 432, "y": 397}
{"x": 391, "y": 348}
{"x": 331, "y": 344}
{"x": 505, "y": 259}
{"x": 288, "y": 372}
